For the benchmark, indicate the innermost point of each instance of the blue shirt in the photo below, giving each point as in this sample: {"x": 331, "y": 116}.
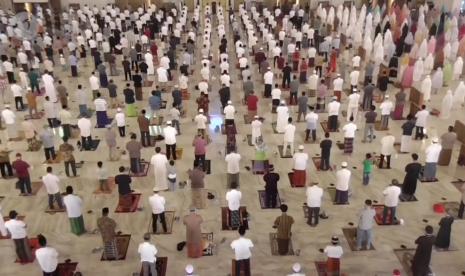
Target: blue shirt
{"x": 155, "y": 102}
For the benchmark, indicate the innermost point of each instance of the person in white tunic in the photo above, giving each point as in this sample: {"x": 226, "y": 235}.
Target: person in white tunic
{"x": 3, "y": 230}
{"x": 446, "y": 105}
{"x": 256, "y": 129}
{"x": 283, "y": 114}
{"x": 49, "y": 87}
{"x": 149, "y": 61}
{"x": 459, "y": 94}
{"x": 458, "y": 68}
{"x": 73, "y": 206}
{"x": 418, "y": 70}
{"x": 425, "y": 88}
{"x": 437, "y": 80}
{"x": 160, "y": 163}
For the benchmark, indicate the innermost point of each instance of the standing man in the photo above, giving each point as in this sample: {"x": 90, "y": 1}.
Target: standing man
{"x": 271, "y": 187}
{"x": 22, "y": 172}
{"x": 325, "y": 146}
{"x": 370, "y": 120}
{"x": 407, "y": 131}
{"x": 200, "y": 149}
{"x": 233, "y": 168}
{"x": 123, "y": 180}
{"x": 134, "y": 148}
{"x": 48, "y": 142}
{"x": 300, "y": 159}
{"x": 333, "y": 113}
{"x": 283, "y": 236}
{"x": 233, "y": 197}
{"x": 334, "y": 253}
{"x": 342, "y": 184}
{"x": 197, "y": 176}
{"x": 85, "y": 126}
{"x": 422, "y": 258}
{"x": 447, "y": 142}
{"x": 302, "y": 103}
{"x": 387, "y": 149}
{"x": 420, "y": 124}
{"x": 170, "y": 133}
{"x": 160, "y": 165}
{"x": 106, "y": 227}
{"x": 157, "y": 203}
{"x": 52, "y": 185}
{"x": 120, "y": 119}
{"x": 148, "y": 256}
{"x": 353, "y": 105}
{"x": 386, "y": 107}
{"x": 288, "y": 139}
{"x": 391, "y": 200}
{"x": 365, "y": 226}
{"x": 193, "y": 224}
{"x": 110, "y": 139}
{"x": 241, "y": 247}
{"x": 144, "y": 127}
{"x": 349, "y": 136}
{"x": 101, "y": 110}
{"x": 17, "y": 230}
{"x": 50, "y": 112}
{"x": 66, "y": 151}
{"x": 47, "y": 257}
{"x": 314, "y": 195}
{"x": 73, "y": 205}
{"x": 9, "y": 117}
{"x": 432, "y": 156}
{"x": 412, "y": 172}
{"x": 312, "y": 120}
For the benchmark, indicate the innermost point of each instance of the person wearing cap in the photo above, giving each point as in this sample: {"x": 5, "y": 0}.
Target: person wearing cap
{"x": 387, "y": 149}
{"x": 366, "y": 221}
{"x": 342, "y": 184}
{"x": 229, "y": 113}
{"x": 386, "y": 108}
{"x": 193, "y": 223}
{"x": 157, "y": 203}
{"x": 282, "y": 117}
{"x": 201, "y": 121}
{"x": 353, "y": 105}
{"x": 66, "y": 151}
{"x": 268, "y": 79}
{"x": 422, "y": 258}
{"x": 432, "y": 153}
{"x": 120, "y": 119}
{"x": 17, "y": 230}
{"x": 148, "y": 256}
{"x": 101, "y": 110}
{"x": 107, "y": 228}
{"x": 300, "y": 161}
{"x": 313, "y": 83}
{"x": 333, "y": 113}
{"x": 420, "y": 123}
{"x": 9, "y": 118}
{"x": 73, "y": 206}
{"x": 47, "y": 257}
{"x": 170, "y": 133}
{"x": 31, "y": 100}
{"x": 242, "y": 253}
{"x": 334, "y": 253}
{"x": 190, "y": 270}
{"x": 297, "y": 270}
{"x": 160, "y": 170}
{"x": 283, "y": 223}
{"x": 391, "y": 200}
{"x": 314, "y": 195}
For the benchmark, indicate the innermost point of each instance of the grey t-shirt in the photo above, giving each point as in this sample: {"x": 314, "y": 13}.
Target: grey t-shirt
{"x": 366, "y": 219}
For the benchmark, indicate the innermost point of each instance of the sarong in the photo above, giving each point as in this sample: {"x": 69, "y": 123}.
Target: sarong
{"x": 102, "y": 119}
{"x": 194, "y": 250}
{"x": 198, "y": 200}
{"x": 138, "y": 91}
{"x": 77, "y": 225}
{"x": 283, "y": 246}
{"x": 299, "y": 178}
{"x": 234, "y": 219}
{"x": 444, "y": 157}
{"x": 348, "y": 145}
{"x": 110, "y": 251}
{"x": 332, "y": 266}
{"x": 430, "y": 171}
{"x": 342, "y": 197}
{"x": 398, "y": 112}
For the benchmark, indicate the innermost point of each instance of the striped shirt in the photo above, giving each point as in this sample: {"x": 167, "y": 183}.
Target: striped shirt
{"x": 284, "y": 224}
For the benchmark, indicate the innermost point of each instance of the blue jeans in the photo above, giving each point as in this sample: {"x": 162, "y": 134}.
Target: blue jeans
{"x": 83, "y": 110}
{"x": 364, "y": 236}
{"x": 366, "y": 178}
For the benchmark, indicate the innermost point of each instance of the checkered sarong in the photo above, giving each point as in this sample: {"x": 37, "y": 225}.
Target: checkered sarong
{"x": 110, "y": 251}
{"x": 235, "y": 219}
{"x": 348, "y": 145}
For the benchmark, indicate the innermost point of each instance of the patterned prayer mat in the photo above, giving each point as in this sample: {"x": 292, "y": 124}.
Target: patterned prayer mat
{"x": 134, "y": 205}
{"x": 324, "y": 126}
{"x": 321, "y": 269}
{"x": 351, "y": 236}
{"x": 56, "y": 210}
{"x": 145, "y": 166}
{"x": 274, "y": 246}
{"x": 262, "y": 199}
{"x": 225, "y": 218}
{"x": 169, "y": 218}
{"x": 405, "y": 257}
{"x": 122, "y": 244}
{"x": 111, "y": 185}
{"x": 379, "y": 216}
{"x": 260, "y": 166}
{"x": 67, "y": 268}
{"x": 208, "y": 244}
{"x": 317, "y": 161}
{"x": 93, "y": 147}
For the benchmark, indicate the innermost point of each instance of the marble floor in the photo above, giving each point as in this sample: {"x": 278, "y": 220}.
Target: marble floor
{"x": 306, "y": 240}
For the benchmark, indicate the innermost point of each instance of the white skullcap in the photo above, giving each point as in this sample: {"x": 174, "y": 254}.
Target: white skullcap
{"x": 189, "y": 268}
{"x": 296, "y": 267}
{"x": 301, "y": 147}
{"x": 344, "y": 164}
{"x": 201, "y": 110}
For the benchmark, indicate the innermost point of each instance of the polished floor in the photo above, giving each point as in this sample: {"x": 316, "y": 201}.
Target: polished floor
{"x": 306, "y": 240}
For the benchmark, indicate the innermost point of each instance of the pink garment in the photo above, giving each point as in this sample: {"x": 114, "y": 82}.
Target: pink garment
{"x": 407, "y": 78}
{"x": 431, "y": 45}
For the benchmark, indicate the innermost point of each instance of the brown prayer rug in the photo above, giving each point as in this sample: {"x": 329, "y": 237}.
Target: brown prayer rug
{"x": 379, "y": 128}
{"x": 35, "y": 187}
{"x": 148, "y": 83}
{"x": 324, "y": 126}
{"x": 233, "y": 268}
{"x": 225, "y": 218}
{"x": 122, "y": 244}
{"x": 145, "y": 166}
{"x": 321, "y": 268}
{"x": 405, "y": 257}
{"x": 111, "y": 185}
{"x": 274, "y": 246}
{"x": 317, "y": 161}
{"x": 340, "y": 145}
{"x": 332, "y": 193}
{"x": 56, "y": 210}
{"x": 351, "y": 236}
{"x": 281, "y": 152}
{"x": 169, "y": 218}
{"x": 134, "y": 206}
{"x": 67, "y": 268}
{"x": 379, "y": 208}
{"x": 207, "y": 168}
{"x": 262, "y": 199}
{"x": 209, "y": 246}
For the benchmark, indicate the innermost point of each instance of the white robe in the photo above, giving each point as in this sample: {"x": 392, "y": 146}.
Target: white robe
{"x": 426, "y": 88}
{"x": 459, "y": 94}
{"x": 458, "y": 68}
{"x": 438, "y": 79}
{"x": 283, "y": 115}
{"x": 446, "y": 105}
{"x": 3, "y": 230}
{"x": 160, "y": 163}
{"x": 418, "y": 70}
{"x": 256, "y": 130}
{"x": 428, "y": 64}
{"x": 49, "y": 87}
{"x": 149, "y": 60}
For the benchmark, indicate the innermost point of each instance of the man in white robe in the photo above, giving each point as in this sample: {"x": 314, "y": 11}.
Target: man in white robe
{"x": 283, "y": 114}
{"x": 418, "y": 70}
{"x": 49, "y": 87}
{"x": 437, "y": 80}
{"x": 256, "y": 129}
{"x": 426, "y": 88}
{"x": 160, "y": 170}
{"x": 459, "y": 94}
{"x": 446, "y": 105}
{"x": 458, "y": 68}
{"x": 149, "y": 61}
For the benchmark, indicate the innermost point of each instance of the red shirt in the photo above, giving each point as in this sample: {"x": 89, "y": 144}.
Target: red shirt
{"x": 21, "y": 168}
{"x": 280, "y": 62}
{"x": 199, "y": 146}
{"x": 252, "y": 102}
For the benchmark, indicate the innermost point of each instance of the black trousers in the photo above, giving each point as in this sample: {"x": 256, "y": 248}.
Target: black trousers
{"x": 245, "y": 264}
{"x": 6, "y": 169}
{"x": 51, "y": 122}
{"x": 71, "y": 164}
{"x": 200, "y": 159}
{"x": 50, "y": 153}
{"x": 171, "y": 150}
{"x": 66, "y": 130}
{"x": 19, "y": 103}
{"x": 313, "y": 215}
{"x": 324, "y": 165}
{"x": 270, "y": 198}
{"x": 86, "y": 142}
{"x": 307, "y": 134}
{"x": 135, "y": 164}
{"x": 145, "y": 138}
{"x": 332, "y": 122}
{"x": 461, "y": 209}
{"x": 419, "y": 132}
{"x": 74, "y": 72}
{"x": 162, "y": 220}
{"x": 54, "y": 273}
{"x": 24, "y": 184}
{"x": 122, "y": 131}
{"x": 127, "y": 74}
{"x": 268, "y": 88}
{"x": 286, "y": 80}
{"x": 388, "y": 161}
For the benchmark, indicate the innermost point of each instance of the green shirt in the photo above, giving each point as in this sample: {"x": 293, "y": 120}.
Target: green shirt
{"x": 367, "y": 166}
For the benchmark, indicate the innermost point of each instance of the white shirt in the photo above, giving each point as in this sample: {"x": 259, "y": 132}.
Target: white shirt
{"x": 100, "y": 104}
{"x": 201, "y": 121}
{"x": 51, "y": 183}
{"x": 354, "y": 98}
{"x": 354, "y": 77}
{"x": 333, "y": 108}
{"x": 289, "y": 132}
{"x": 422, "y": 117}
{"x": 276, "y": 94}
{"x": 300, "y": 161}
{"x": 241, "y": 248}
{"x": 233, "y": 198}
{"x": 16, "y": 90}
{"x": 391, "y": 196}
{"x": 268, "y": 77}
{"x": 432, "y": 153}
{"x": 387, "y": 144}
{"x": 157, "y": 203}
{"x": 120, "y": 119}
{"x": 232, "y": 160}
{"x": 343, "y": 179}
{"x": 337, "y": 84}
{"x": 229, "y": 112}
{"x": 85, "y": 126}
{"x": 16, "y": 228}
{"x": 162, "y": 74}
{"x": 47, "y": 257}
{"x": 73, "y": 205}
{"x": 333, "y": 251}
{"x": 147, "y": 252}
{"x": 349, "y": 130}
{"x": 314, "y": 195}
{"x": 94, "y": 83}
{"x": 386, "y": 107}
{"x": 8, "y": 116}
{"x": 170, "y": 133}
{"x": 356, "y": 61}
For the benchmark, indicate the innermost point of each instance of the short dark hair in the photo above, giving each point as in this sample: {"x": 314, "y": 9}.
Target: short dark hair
{"x": 99, "y": 164}
{"x": 69, "y": 190}
{"x": 429, "y": 229}
{"x": 368, "y": 202}
{"x": 241, "y": 230}
{"x": 233, "y": 185}
{"x": 13, "y": 214}
{"x": 289, "y": 120}
{"x": 133, "y": 136}
{"x": 49, "y": 169}
{"x": 157, "y": 149}
{"x": 327, "y": 135}
{"x": 414, "y": 156}
{"x": 283, "y": 208}
{"x": 121, "y": 169}
{"x": 42, "y": 240}
{"x": 105, "y": 211}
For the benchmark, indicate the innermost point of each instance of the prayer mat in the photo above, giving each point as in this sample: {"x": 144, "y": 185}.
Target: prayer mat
{"x": 148, "y": 83}
{"x": 249, "y": 140}
{"x": 5, "y": 219}
{"x": 321, "y": 268}
{"x": 169, "y": 218}
{"x": 262, "y": 199}
{"x": 324, "y": 126}
{"x": 145, "y": 166}
{"x": 260, "y": 166}
{"x": 90, "y": 112}
{"x": 231, "y": 129}
{"x": 163, "y": 104}
{"x": 35, "y": 145}
{"x": 111, "y": 185}
{"x": 67, "y": 268}
{"x": 179, "y": 152}
{"x": 34, "y": 245}
{"x": 35, "y": 116}
{"x": 122, "y": 244}
{"x": 423, "y": 180}
{"x": 133, "y": 208}
{"x": 405, "y": 257}
{"x": 411, "y": 199}
{"x": 109, "y": 120}
{"x": 273, "y": 126}
{"x": 379, "y": 128}
{"x": 94, "y": 146}
{"x": 351, "y": 236}
{"x": 58, "y": 159}
{"x": 340, "y": 145}
{"x": 452, "y": 208}
{"x": 247, "y": 119}
{"x": 281, "y": 153}
{"x": 17, "y": 139}
{"x": 379, "y": 208}
{"x": 35, "y": 187}
{"x": 209, "y": 246}
{"x": 435, "y": 112}
{"x": 185, "y": 95}
{"x": 54, "y": 211}
{"x": 207, "y": 170}
{"x": 317, "y": 161}
{"x": 332, "y": 193}
{"x": 156, "y": 121}
{"x": 274, "y": 246}
{"x": 225, "y": 218}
